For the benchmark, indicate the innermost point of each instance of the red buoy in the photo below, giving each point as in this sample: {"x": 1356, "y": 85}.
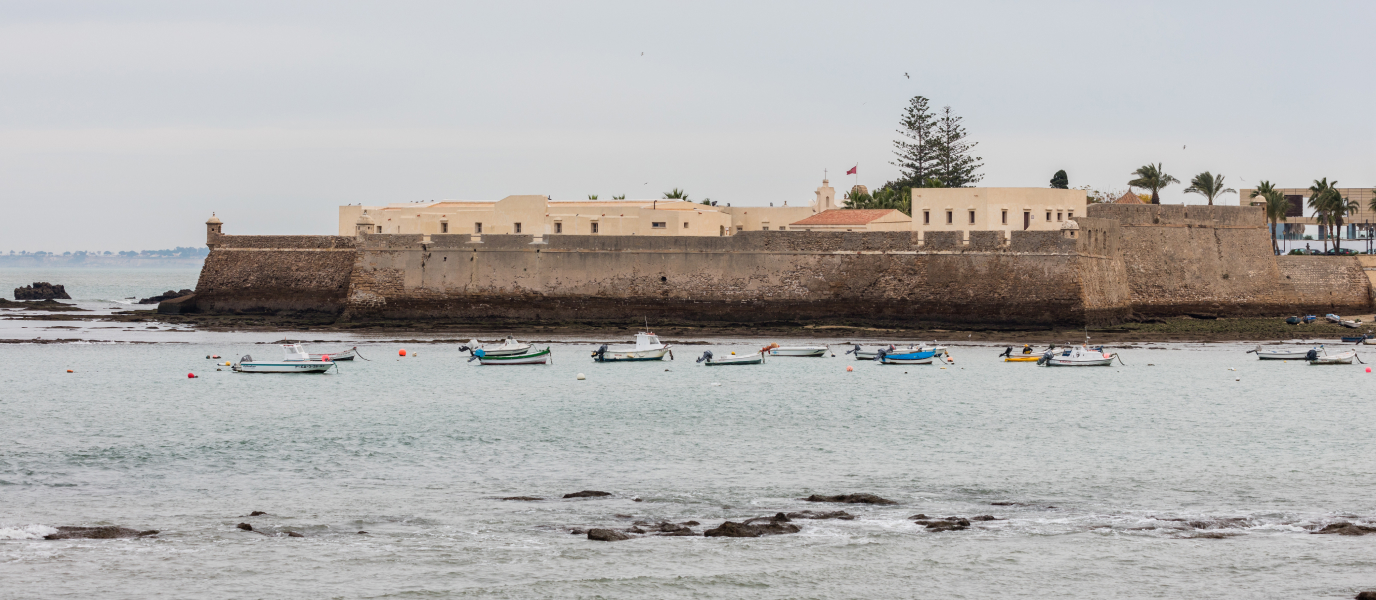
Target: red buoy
{"x": 190, "y": 375}
{"x": 401, "y": 352}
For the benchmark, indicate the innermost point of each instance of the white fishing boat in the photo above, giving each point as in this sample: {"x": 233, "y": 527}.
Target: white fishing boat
{"x": 863, "y": 354}
{"x": 934, "y": 347}
{"x": 777, "y": 350}
{"x": 1332, "y": 318}
{"x": 1351, "y": 324}
{"x": 539, "y": 357}
{"x": 337, "y": 356}
{"x": 731, "y": 359}
{"x": 1323, "y": 358}
{"x": 509, "y": 347}
{"x": 1283, "y": 353}
{"x": 1077, "y": 356}
{"x": 647, "y": 347}
{"x": 294, "y": 360}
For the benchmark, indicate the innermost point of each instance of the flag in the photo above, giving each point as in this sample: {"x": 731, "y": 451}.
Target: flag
{"x": 852, "y": 170}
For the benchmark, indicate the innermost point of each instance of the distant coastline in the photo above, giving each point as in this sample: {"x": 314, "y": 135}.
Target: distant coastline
{"x": 89, "y": 261}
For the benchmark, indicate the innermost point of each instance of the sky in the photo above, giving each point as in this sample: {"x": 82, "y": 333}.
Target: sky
{"x": 124, "y": 125}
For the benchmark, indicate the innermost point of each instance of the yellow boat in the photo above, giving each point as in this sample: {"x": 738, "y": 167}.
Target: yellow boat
{"x": 1032, "y": 358}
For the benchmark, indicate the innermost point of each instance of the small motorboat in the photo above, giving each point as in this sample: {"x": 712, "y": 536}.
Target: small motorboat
{"x": 294, "y": 360}
{"x": 940, "y": 350}
{"x": 1315, "y": 357}
{"x": 1309, "y": 319}
{"x": 1357, "y": 339}
{"x": 906, "y": 358}
{"x": 1078, "y": 356}
{"x": 1282, "y": 353}
{"x": 539, "y": 357}
{"x": 777, "y": 350}
{"x": 862, "y": 354}
{"x": 1026, "y": 356}
{"x": 1292, "y": 320}
{"x": 509, "y": 347}
{"x": 1031, "y": 359}
{"x": 647, "y": 347}
{"x": 1332, "y": 318}
{"x": 732, "y": 359}
{"x": 1351, "y": 324}
{"x": 336, "y": 356}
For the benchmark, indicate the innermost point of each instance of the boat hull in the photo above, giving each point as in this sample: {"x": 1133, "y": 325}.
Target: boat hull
{"x": 536, "y": 358}
{"x": 754, "y": 359}
{"x": 1343, "y": 358}
{"x": 335, "y": 356}
{"x": 1094, "y": 362}
{"x": 806, "y": 351}
{"x": 906, "y": 361}
{"x": 1030, "y": 359}
{"x": 632, "y": 355}
{"x": 283, "y": 367}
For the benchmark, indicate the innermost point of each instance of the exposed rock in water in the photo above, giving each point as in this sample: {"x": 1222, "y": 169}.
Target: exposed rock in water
{"x": 607, "y": 535}
{"x": 1212, "y": 535}
{"x": 522, "y": 498}
{"x": 256, "y": 513}
{"x": 168, "y": 295}
{"x": 578, "y": 531}
{"x": 850, "y": 499}
{"x": 587, "y": 494}
{"x": 986, "y": 518}
{"x": 732, "y": 529}
{"x": 48, "y": 305}
{"x": 41, "y": 290}
{"x": 690, "y": 523}
{"x": 1343, "y": 528}
{"x": 1003, "y": 504}
{"x": 947, "y": 524}
{"x": 245, "y": 526}
{"x": 107, "y": 532}
{"x": 294, "y": 534}
{"x": 835, "y": 514}
{"x": 1368, "y": 595}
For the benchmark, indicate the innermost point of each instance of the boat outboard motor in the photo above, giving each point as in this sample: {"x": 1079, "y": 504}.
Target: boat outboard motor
{"x": 855, "y": 350}
{"x": 1312, "y": 355}
{"x": 245, "y": 359}
{"x": 600, "y": 354}
{"x": 477, "y": 354}
{"x": 880, "y": 354}
{"x": 705, "y": 356}
{"x": 1007, "y": 352}
{"x": 1046, "y": 356}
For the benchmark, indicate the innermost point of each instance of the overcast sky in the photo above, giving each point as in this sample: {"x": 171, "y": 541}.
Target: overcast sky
{"x": 124, "y": 124}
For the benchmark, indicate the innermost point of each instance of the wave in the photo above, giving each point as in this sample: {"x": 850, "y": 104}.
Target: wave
{"x": 26, "y": 532}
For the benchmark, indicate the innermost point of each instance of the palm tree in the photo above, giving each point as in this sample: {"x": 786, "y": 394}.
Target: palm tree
{"x": 621, "y": 197}
{"x": 856, "y": 198}
{"x": 1151, "y": 177}
{"x": 592, "y": 196}
{"x": 1263, "y": 189}
{"x": 1208, "y": 185}
{"x": 1276, "y": 207}
{"x": 1321, "y": 200}
{"x": 676, "y": 194}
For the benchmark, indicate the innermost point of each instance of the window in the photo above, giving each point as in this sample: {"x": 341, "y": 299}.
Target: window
{"x": 594, "y": 226}
{"x": 657, "y": 225}
{"x": 1005, "y": 217}
{"x": 950, "y": 217}
{"x": 558, "y": 227}
{"x": 765, "y": 228}
{"x": 1048, "y": 216}
{"x": 477, "y": 228}
{"x": 379, "y": 229}
{"x": 782, "y": 228}
{"x": 740, "y": 228}
{"x": 1058, "y": 215}
{"x": 1070, "y": 214}
{"x": 444, "y": 228}
{"x": 517, "y": 229}
{"x": 926, "y": 217}
{"x": 685, "y": 224}
{"x": 972, "y": 217}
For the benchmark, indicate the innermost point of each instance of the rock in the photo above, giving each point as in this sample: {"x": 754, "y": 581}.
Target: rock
{"x": 623, "y": 516}
{"x": 986, "y": 518}
{"x": 522, "y": 498}
{"x": 667, "y": 528}
{"x": 1003, "y": 504}
{"x": 256, "y": 513}
{"x": 919, "y": 516}
{"x": 41, "y": 290}
{"x": 168, "y": 295}
{"x": 945, "y": 525}
{"x": 680, "y": 533}
{"x": 294, "y": 534}
{"x": 637, "y": 500}
{"x": 578, "y": 531}
{"x": 635, "y": 530}
{"x": 732, "y": 529}
{"x": 48, "y": 305}
{"x": 587, "y": 494}
{"x": 107, "y": 532}
{"x": 363, "y": 533}
{"x": 178, "y": 306}
{"x": 606, "y": 535}
{"x": 690, "y": 523}
{"x": 245, "y": 526}
{"x": 1368, "y": 595}
{"x": 1344, "y": 528}
{"x": 850, "y": 499}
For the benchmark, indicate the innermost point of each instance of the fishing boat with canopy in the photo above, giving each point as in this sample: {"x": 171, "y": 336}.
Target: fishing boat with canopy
{"x": 295, "y": 359}
{"x": 647, "y": 347}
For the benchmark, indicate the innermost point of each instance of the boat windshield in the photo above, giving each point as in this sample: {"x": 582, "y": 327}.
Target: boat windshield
{"x": 646, "y": 340}
{"x": 294, "y": 352}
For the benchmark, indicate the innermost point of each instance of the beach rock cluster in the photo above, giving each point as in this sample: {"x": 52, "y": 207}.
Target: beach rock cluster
{"x": 850, "y": 499}
{"x": 107, "y": 532}
{"x": 168, "y": 295}
{"x": 1345, "y": 528}
{"x": 41, "y": 290}
{"x": 587, "y": 494}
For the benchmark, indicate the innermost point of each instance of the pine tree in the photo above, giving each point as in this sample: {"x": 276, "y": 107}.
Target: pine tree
{"x": 951, "y": 151}
{"x": 1060, "y": 180}
{"x": 914, "y": 156}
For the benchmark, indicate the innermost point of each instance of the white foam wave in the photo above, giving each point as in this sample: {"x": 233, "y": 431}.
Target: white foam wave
{"x": 25, "y": 532}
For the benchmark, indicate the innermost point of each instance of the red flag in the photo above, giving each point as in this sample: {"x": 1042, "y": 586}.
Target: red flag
{"x": 852, "y": 170}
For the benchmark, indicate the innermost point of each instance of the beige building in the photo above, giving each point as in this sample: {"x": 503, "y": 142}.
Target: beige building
{"x": 539, "y": 216}
{"x": 990, "y": 209}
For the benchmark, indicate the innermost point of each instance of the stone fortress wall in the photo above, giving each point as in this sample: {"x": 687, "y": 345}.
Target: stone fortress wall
{"x": 1123, "y": 260}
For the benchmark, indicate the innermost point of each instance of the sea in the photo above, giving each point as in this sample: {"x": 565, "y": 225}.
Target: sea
{"x": 1189, "y": 470}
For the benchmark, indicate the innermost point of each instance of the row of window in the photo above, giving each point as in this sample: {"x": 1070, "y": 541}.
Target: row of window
{"x": 950, "y": 216}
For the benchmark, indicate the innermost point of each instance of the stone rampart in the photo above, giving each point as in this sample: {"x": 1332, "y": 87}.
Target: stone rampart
{"x": 261, "y": 273}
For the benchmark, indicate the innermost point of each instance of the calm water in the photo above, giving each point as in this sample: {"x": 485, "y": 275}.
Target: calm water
{"x": 415, "y": 451}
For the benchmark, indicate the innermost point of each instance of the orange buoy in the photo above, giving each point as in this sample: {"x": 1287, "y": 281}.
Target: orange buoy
{"x": 70, "y": 371}
{"x": 401, "y": 352}
{"x": 849, "y": 368}
{"x": 325, "y": 358}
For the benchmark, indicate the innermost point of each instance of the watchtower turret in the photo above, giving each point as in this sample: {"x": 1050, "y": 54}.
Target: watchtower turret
{"x": 364, "y": 225}
{"x": 213, "y": 231}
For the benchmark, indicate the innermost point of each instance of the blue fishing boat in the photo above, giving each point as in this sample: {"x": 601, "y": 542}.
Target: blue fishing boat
{"x": 906, "y": 358}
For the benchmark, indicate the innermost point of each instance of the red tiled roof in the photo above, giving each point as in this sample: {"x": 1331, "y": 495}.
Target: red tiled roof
{"x": 1128, "y": 198}
{"x": 846, "y": 216}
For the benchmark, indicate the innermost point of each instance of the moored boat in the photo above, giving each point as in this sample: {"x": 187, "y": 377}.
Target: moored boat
{"x": 539, "y": 357}
{"x": 1357, "y": 339}
{"x": 731, "y": 359}
{"x": 1315, "y": 357}
{"x": 1030, "y": 359}
{"x": 1351, "y": 324}
{"x": 336, "y": 356}
{"x": 777, "y": 350}
{"x": 1332, "y": 318}
{"x": 906, "y": 358}
{"x": 294, "y": 360}
{"x": 1282, "y": 353}
{"x": 647, "y": 347}
{"x": 509, "y": 347}
{"x": 1077, "y": 356}
{"x": 1292, "y": 320}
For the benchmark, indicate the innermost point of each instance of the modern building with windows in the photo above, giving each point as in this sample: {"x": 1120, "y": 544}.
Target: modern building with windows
{"x": 1299, "y": 215}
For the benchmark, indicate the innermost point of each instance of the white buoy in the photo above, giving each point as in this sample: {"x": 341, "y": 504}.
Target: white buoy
{"x": 581, "y": 377}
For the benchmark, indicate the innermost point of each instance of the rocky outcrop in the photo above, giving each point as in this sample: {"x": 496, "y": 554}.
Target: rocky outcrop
{"x": 607, "y": 535}
{"x": 107, "y": 532}
{"x": 747, "y": 529}
{"x": 835, "y": 514}
{"x": 41, "y": 290}
{"x": 168, "y": 295}
{"x": 587, "y": 494}
{"x": 850, "y": 499}
{"x": 1345, "y": 528}
{"x": 1367, "y": 595}
{"x": 523, "y": 498}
